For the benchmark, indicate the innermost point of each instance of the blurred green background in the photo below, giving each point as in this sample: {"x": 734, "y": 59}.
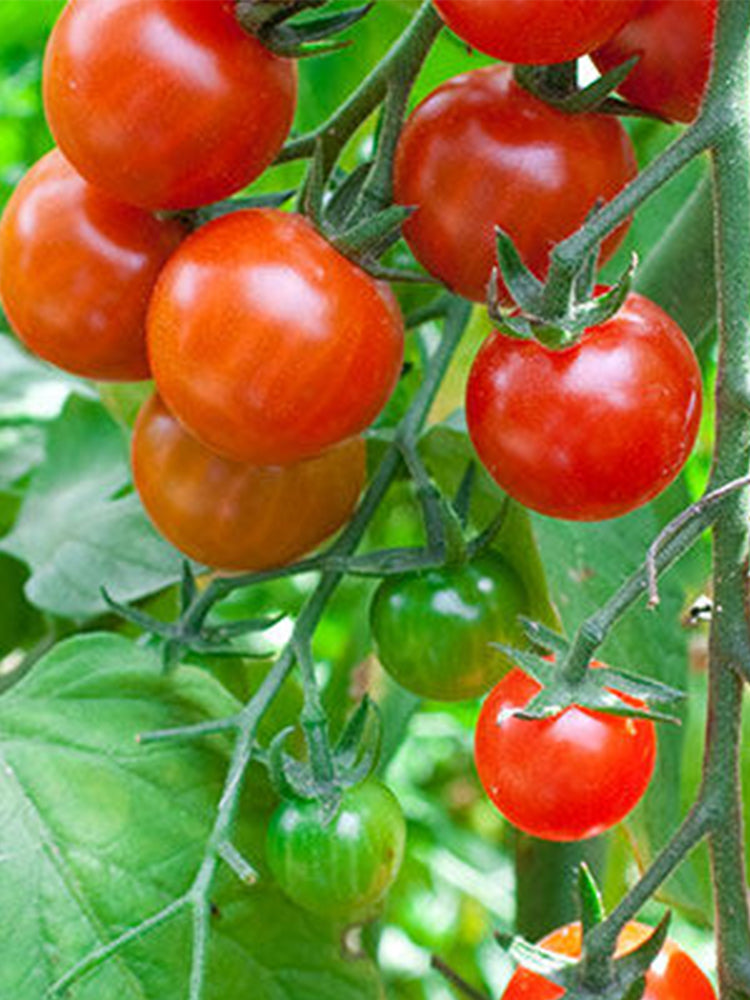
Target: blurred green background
{"x": 459, "y": 882}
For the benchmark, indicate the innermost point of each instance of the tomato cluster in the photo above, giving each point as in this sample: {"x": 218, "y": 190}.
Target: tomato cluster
{"x": 271, "y": 349}
{"x": 272, "y": 353}
{"x": 673, "y": 975}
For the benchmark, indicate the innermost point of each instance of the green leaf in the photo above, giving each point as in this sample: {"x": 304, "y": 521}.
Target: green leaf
{"x": 30, "y": 389}
{"x": 78, "y": 529}
{"x": 100, "y": 833}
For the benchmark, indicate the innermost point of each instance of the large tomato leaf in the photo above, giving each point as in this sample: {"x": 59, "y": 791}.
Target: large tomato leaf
{"x": 99, "y": 833}
{"x": 80, "y": 528}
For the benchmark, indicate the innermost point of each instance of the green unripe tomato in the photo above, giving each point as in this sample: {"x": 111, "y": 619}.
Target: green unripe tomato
{"x": 342, "y": 868}
{"x": 433, "y": 630}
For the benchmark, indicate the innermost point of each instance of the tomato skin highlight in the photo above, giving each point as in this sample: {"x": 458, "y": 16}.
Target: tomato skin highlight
{"x": 165, "y": 104}
{"x": 592, "y": 431}
{"x": 535, "y": 32}
{"x": 345, "y": 868}
{"x": 479, "y": 152}
{"x": 234, "y": 516}
{"x": 433, "y": 630}
{"x": 672, "y": 976}
{"x": 77, "y": 270}
{"x": 268, "y": 344}
{"x": 674, "y": 40}
{"x": 565, "y": 778}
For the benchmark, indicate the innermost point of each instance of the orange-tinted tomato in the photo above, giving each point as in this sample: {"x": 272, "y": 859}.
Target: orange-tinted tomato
{"x": 165, "y": 103}
{"x": 267, "y": 343}
{"x": 481, "y": 152}
{"x": 673, "y": 40}
{"x": 240, "y": 517}
{"x": 567, "y": 777}
{"x": 672, "y": 976}
{"x": 592, "y": 431}
{"x": 77, "y": 270}
{"x": 535, "y": 31}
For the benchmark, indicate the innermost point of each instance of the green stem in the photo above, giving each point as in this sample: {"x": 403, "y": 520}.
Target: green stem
{"x": 252, "y": 713}
{"x": 730, "y": 635}
{"x": 569, "y": 256}
{"x": 410, "y": 50}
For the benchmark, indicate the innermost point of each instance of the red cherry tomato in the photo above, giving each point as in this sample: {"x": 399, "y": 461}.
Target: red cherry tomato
{"x": 267, "y": 343}
{"x": 673, "y": 975}
{"x": 481, "y": 151}
{"x": 77, "y": 270}
{"x": 165, "y": 103}
{"x": 592, "y": 431}
{"x": 240, "y": 517}
{"x": 535, "y": 31}
{"x": 568, "y": 777}
{"x": 674, "y": 42}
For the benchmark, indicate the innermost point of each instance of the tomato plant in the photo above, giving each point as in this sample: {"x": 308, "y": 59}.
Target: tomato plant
{"x": 202, "y": 757}
{"x": 165, "y": 103}
{"x": 591, "y": 431}
{"x": 479, "y": 152}
{"x": 77, "y": 270}
{"x": 267, "y": 343}
{"x": 236, "y": 516}
{"x": 433, "y": 630}
{"x": 338, "y": 866}
{"x": 567, "y": 777}
{"x": 674, "y": 975}
{"x": 536, "y": 31}
{"x": 673, "y": 41}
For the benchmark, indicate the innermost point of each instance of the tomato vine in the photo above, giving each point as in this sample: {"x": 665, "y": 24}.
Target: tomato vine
{"x": 357, "y": 217}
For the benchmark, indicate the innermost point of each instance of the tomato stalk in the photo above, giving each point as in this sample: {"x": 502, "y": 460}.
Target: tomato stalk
{"x": 409, "y": 51}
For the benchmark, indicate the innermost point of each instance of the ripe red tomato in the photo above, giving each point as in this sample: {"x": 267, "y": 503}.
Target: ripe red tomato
{"x": 165, "y": 103}
{"x": 592, "y": 431}
{"x": 674, "y": 40}
{"x": 481, "y": 151}
{"x": 535, "y": 31}
{"x": 77, "y": 270}
{"x": 240, "y": 517}
{"x": 673, "y": 975}
{"x": 568, "y": 777}
{"x": 267, "y": 343}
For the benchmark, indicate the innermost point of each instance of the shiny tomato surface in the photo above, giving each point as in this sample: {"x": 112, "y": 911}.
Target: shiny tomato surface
{"x": 535, "y": 31}
{"x": 340, "y": 867}
{"x": 673, "y": 40}
{"x": 567, "y": 777}
{"x": 235, "y": 516}
{"x": 480, "y": 152}
{"x": 267, "y": 343}
{"x": 433, "y": 630}
{"x": 165, "y": 103}
{"x": 672, "y": 976}
{"x": 592, "y": 431}
{"x": 77, "y": 270}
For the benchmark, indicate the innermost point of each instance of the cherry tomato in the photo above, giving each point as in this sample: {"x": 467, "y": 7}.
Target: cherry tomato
{"x": 77, "y": 270}
{"x": 481, "y": 151}
{"x": 674, "y": 42}
{"x": 567, "y": 777}
{"x": 535, "y": 31}
{"x": 592, "y": 431}
{"x": 672, "y": 976}
{"x": 236, "y": 516}
{"x": 341, "y": 867}
{"x": 267, "y": 343}
{"x": 165, "y": 103}
{"x": 433, "y": 630}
